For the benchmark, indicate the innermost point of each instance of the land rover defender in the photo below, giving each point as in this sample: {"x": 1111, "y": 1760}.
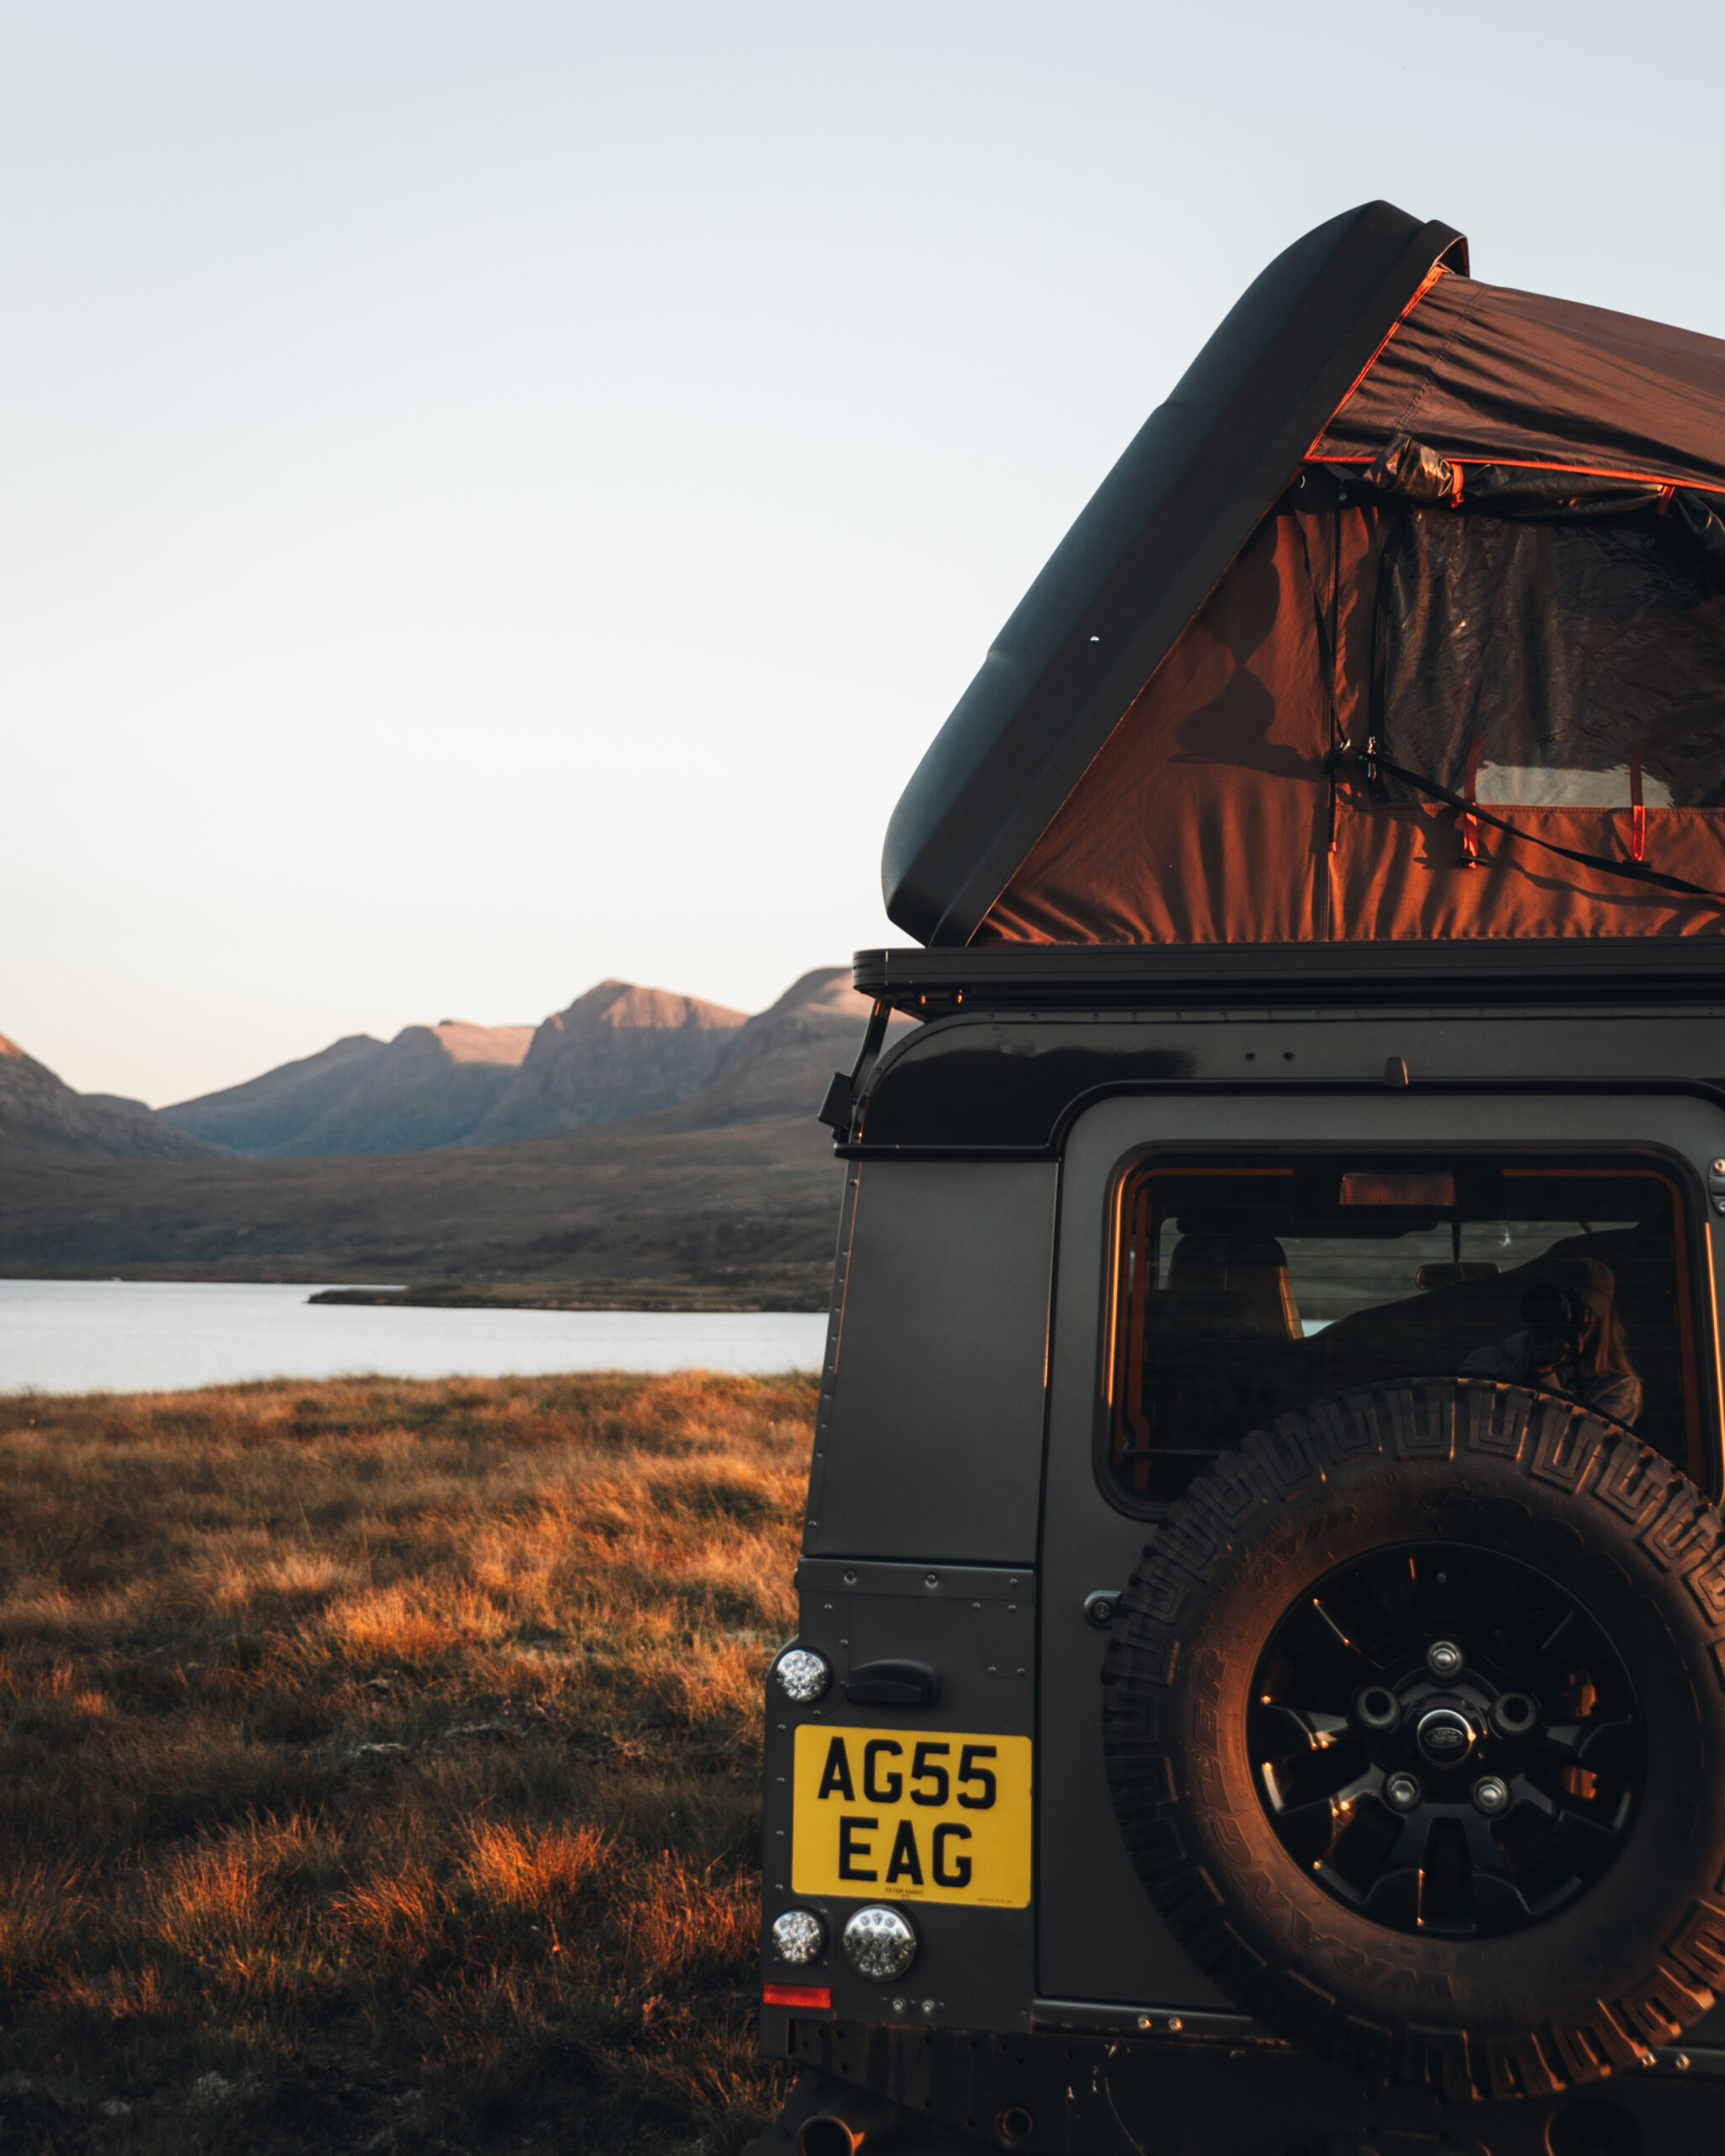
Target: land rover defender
{"x": 1259, "y": 1687}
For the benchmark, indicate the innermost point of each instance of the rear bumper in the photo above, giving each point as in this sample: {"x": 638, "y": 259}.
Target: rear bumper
{"x": 1190, "y": 2094}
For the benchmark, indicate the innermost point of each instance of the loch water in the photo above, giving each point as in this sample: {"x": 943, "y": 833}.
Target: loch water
{"x": 161, "y": 1335}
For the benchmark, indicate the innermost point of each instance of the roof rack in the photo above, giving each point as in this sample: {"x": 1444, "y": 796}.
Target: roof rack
{"x": 1043, "y": 976}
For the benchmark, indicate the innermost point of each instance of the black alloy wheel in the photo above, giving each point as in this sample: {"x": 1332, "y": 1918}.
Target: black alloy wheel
{"x": 1446, "y": 1741}
{"x": 1414, "y": 1724}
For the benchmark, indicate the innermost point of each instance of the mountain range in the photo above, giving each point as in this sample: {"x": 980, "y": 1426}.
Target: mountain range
{"x": 619, "y": 1051}
{"x": 669, "y": 1158}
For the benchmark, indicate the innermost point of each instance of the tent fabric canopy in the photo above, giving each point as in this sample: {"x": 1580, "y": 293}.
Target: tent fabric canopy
{"x": 1483, "y": 374}
{"x": 1500, "y": 561}
{"x": 1207, "y": 818}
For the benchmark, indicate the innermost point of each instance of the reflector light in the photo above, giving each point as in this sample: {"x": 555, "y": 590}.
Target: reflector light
{"x": 1359, "y": 1188}
{"x": 811, "y": 1998}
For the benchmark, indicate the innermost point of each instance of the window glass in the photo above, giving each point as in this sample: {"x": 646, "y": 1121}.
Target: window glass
{"x": 1247, "y": 1286}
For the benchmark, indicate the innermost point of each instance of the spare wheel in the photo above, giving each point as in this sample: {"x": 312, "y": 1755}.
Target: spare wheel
{"x": 1415, "y": 1727}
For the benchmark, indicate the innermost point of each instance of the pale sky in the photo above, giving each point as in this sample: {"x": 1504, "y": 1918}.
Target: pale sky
{"x": 496, "y": 495}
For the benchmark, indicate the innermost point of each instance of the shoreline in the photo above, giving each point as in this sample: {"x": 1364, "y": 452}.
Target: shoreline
{"x": 692, "y": 1301}
{"x": 605, "y": 1295}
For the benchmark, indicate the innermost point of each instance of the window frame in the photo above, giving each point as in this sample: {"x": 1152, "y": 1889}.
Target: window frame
{"x": 1691, "y": 1245}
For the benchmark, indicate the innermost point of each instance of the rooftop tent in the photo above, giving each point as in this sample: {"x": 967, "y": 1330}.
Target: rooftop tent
{"x": 1403, "y": 618}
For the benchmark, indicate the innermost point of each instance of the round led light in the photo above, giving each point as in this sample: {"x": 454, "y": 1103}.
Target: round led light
{"x": 797, "y": 1936}
{"x": 803, "y": 1675}
{"x": 878, "y": 1943}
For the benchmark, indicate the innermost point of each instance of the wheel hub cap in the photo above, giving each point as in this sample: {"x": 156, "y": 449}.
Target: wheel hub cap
{"x": 1444, "y": 1736}
{"x": 1463, "y": 1793}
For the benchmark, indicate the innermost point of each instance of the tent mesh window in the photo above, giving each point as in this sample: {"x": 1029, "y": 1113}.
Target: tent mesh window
{"x": 1572, "y": 663}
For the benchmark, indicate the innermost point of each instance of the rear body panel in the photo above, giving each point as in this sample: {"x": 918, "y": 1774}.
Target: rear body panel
{"x": 956, "y": 1518}
{"x": 941, "y": 1259}
{"x": 976, "y": 1625}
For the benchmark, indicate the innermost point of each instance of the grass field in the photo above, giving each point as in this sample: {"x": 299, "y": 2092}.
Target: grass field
{"x": 378, "y": 1762}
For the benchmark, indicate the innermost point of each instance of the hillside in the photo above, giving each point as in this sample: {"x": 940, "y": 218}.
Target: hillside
{"x": 618, "y": 1050}
{"x": 730, "y": 1196}
{"x": 746, "y": 1213}
{"x": 264, "y": 1116}
{"x": 779, "y": 1063}
{"x": 41, "y": 1114}
{"x": 429, "y": 1087}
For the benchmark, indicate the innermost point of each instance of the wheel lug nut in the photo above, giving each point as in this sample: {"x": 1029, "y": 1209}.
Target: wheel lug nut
{"x": 1513, "y": 1714}
{"x": 1491, "y": 1795}
{"x": 1443, "y": 1658}
{"x": 1401, "y": 1792}
{"x": 1377, "y": 1708}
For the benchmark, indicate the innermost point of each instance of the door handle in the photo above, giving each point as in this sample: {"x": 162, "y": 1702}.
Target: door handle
{"x": 1099, "y": 1608}
{"x": 892, "y": 1684}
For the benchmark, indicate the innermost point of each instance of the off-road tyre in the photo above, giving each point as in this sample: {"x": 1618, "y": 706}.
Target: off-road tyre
{"x": 1630, "y": 1962}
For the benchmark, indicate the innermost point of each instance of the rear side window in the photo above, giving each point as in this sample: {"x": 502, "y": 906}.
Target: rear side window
{"x": 1243, "y": 1287}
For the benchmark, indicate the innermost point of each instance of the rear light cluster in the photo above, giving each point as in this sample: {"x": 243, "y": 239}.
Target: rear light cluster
{"x": 878, "y": 1943}
{"x": 799, "y": 1937}
{"x": 803, "y": 1675}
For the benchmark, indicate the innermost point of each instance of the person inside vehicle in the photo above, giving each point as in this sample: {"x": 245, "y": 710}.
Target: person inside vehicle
{"x": 1574, "y": 1342}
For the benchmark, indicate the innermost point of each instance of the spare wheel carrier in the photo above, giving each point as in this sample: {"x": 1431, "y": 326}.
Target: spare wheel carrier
{"x": 1540, "y": 1897}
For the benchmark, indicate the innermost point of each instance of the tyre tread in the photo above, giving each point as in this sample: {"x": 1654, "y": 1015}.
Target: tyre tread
{"x": 1547, "y": 1440}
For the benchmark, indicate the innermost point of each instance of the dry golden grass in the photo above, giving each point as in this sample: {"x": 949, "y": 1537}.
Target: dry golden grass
{"x": 379, "y": 1763}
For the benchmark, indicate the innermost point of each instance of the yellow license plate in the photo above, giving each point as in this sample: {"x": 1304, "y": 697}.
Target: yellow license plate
{"x": 912, "y": 1815}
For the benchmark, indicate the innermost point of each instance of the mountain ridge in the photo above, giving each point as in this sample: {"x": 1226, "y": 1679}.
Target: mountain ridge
{"x": 727, "y": 1198}
{"x": 618, "y": 1051}
{"x": 40, "y": 1113}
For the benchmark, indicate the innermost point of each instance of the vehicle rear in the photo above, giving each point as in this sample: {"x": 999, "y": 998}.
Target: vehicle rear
{"x": 1260, "y": 1677}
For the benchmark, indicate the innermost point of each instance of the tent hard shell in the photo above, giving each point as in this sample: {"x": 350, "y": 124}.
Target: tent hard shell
{"x": 1403, "y": 620}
